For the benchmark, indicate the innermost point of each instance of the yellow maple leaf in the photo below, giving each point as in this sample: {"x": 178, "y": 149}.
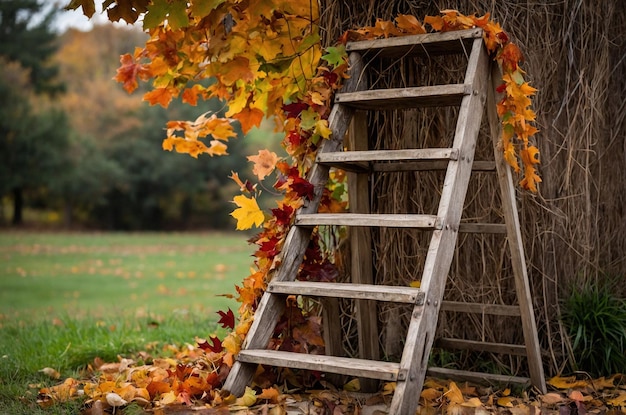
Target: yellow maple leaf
{"x": 264, "y": 163}
{"x": 454, "y": 394}
{"x": 217, "y": 149}
{"x": 248, "y": 213}
{"x": 321, "y": 128}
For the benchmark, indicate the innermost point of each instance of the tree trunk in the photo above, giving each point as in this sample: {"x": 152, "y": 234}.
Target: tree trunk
{"x": 18, "y": 205}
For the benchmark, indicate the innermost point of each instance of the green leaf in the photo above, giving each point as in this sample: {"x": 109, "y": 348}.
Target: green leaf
{"x": 178, "y": 15}
{"x": 517, "y": 77}
{"x": 309, "y": 41}
{"x": 202, "y": 8}
{"x": 175, "y": 13}
{"x": 308, "y": 118}
{"x": 157, "y": 12}
{"x": 335, "y": 55}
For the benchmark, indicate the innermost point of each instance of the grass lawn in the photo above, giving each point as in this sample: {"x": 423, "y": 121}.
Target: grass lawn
{"x": 66, "y": 298}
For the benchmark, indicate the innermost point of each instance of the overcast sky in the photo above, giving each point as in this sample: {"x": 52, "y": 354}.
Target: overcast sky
{"x": 76, "y": 19}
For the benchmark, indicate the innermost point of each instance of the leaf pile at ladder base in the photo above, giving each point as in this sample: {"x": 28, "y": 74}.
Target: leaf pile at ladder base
{"x": 264, "y": 60}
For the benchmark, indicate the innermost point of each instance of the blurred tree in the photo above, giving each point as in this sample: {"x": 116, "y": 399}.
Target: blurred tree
{"x": 28, "y": 43}
{"x": 33, "y": 139}
{"x": 119, "y": 176}
{"x": 33, "y": 144}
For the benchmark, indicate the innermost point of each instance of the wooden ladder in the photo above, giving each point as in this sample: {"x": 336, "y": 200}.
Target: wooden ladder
{"x": 445, "y": 225}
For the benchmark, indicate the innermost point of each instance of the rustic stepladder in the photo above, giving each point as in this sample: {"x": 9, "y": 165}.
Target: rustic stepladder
{"x": 409, "y": 373}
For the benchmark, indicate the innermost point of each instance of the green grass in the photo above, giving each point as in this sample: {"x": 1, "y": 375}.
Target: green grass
{"x": 68, "y": 298}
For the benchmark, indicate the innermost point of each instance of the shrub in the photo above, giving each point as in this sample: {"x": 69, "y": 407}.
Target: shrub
{"x": 595, "y": 319}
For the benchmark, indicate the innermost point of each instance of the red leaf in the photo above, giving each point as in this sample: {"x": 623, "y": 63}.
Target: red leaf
{"x": 303, "y": 188}
{"x": 216, "y": 347}
{"x": 293, "y": 110}
{"x": 283, "y": 216}
{"x": 227, "y": 319}
{"x": 501, "y": 88}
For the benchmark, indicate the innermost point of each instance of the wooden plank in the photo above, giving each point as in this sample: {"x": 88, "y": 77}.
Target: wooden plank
{"x": 481, "y": 378}
{"x": 428, "y": 165}
{"x": 479, "y": 308}
{"x": 361, "y": 262}
{"x": 270, "y": 307}
{"x": 396, "y": 294}
{"x": 345, "y": 366}
{"x": 482, "y": 228}
{"x": 389, "y": 155}
{"x": 423, "y": 323}
{"x": 373, "y": 220}
{"x": 397, "y": 98}
{"x": 514, "y": 238}
{"x": 504, "y": 348}
{"x": 458, "y": 41}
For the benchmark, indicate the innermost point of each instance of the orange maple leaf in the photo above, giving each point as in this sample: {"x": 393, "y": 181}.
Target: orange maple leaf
{"x": 129, "y": 71}
{"x": 248, "y": 118}
{"x": 409, "y": 24}
{"x": 264, "y": 163}
{"x": 161, "y": 96}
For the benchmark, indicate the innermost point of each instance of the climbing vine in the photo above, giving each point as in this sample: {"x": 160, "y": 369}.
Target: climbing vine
{"x": 264, "y": 60}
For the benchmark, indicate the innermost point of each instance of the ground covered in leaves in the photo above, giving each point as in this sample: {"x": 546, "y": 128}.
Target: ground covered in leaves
{"x": 184, "y": 384}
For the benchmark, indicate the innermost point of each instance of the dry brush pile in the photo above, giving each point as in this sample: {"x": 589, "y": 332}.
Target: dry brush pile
{"x": 573, "y": 228}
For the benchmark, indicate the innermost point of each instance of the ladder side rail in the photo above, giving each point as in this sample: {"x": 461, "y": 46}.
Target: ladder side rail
{"x": 271, "y": 306}
{"x": 514, "y": 239}
{"x": 423, "y": 323}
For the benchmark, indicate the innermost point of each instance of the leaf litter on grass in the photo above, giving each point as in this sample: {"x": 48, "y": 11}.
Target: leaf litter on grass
{"x": 188, "y": 382}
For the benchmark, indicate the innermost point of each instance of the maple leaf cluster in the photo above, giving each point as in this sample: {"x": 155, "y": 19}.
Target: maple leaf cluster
{"x": 514, "y": 108}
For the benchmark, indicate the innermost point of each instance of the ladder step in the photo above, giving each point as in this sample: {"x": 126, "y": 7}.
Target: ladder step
{"x": 482, "y": 228}
{"x": 342, "y": 365}
{"x": 445, "y": 43}
{"x": 388, "y": 293}
{"x": 424, "y": 165}
{"x": 370, "y": 219}
{"x": 505, "y": 348}
{"x": 480, "y": 308}
{"x": 359, "y": 160}
{"x": 413, "y": 97}
{"x": 464, "y": 375}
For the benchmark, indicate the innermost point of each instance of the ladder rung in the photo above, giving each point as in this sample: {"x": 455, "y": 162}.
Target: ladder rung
{"x": 457, "y": 41}
{"x": 331, "y": 364}
{"x": 482, "y": 227}
{"x": 443, "y": 373}
{"x": 480, "y": 308}
{"x": 388, "y": 293}
{"x": 413, "y": 97}
{"x": 346, "y": 159}
{"x": 425, "y": 165}
{"x": 370, "y": 219}
{"x": 505, "y": 348}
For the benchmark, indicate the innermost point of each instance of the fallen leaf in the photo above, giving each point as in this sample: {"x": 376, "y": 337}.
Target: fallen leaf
{"x": 551, "y": 398}
{"x": 50, "y": 372}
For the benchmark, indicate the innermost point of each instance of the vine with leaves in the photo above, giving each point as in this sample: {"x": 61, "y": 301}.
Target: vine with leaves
{"x": 264, "y": 60}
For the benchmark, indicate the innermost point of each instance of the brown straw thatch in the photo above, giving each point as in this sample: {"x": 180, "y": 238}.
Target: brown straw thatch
{"x": 573, "y": 228}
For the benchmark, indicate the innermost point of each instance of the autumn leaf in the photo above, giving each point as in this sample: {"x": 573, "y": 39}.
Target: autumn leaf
{"x": 88, "y": 6}
{"x": 227, "y": 319}
{"x": 269, "y": 394}
{"x": 409, "y": 24}
{"x": 161, "y": 96}
{"x": 215, "y": 346}
{"x": 129, "y": 71}
{"x": 454, "y": 394}
{"x": 248, "y": 118}
{"x": 248, "y": 213}
{"x": 264, "y": 163}
{"x": 335, "y": 55}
